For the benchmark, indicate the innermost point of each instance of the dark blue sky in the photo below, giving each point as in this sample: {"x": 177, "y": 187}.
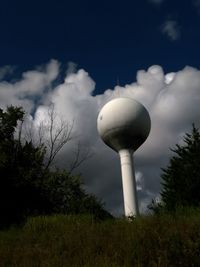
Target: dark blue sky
{"x": 109, "y": 39}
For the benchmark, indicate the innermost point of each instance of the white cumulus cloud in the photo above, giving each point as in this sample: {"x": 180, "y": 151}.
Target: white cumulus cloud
{"x": 32, "y": 84}
{"x": 172, "y": 100}
{"x": 171, "y": 29}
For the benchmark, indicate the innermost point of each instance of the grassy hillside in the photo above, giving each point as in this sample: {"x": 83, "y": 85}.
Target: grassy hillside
{"x": 61, "y": 241}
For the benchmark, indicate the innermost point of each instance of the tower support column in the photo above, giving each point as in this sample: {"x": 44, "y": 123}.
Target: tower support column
{"x": 128, "y": 183}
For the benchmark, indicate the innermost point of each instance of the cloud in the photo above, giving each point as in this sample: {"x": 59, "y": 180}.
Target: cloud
{"x": 172, "y": 100}
{"x": 196, "y": 4}
{"x": 171, "y": 29}
{"x": 31, "y": 86}
{"x": 156, "y": 2}
{"x": 6, "y": 71}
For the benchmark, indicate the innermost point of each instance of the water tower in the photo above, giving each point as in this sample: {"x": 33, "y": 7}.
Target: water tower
{"x": 124, "y": 124}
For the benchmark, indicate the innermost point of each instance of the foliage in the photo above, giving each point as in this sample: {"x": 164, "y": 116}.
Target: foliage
{"x": 181, "y": 179}
{"x": 67, "y": 195}
{"x": 27, "y": 187}
{"x": 81, "y": 241}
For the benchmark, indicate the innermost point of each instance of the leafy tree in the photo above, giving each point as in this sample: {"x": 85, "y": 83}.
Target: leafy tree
{"x": 27, "y": 186}
{"x": 21, "y": 171}
{"x": 181, "y": 178}
{"x": 67, "y": 195}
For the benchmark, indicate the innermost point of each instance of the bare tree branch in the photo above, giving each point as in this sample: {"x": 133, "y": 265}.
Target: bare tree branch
{"x": 60, "y": 133}
{"x": 81, "y": 154}
{"x": 54, "y": 133}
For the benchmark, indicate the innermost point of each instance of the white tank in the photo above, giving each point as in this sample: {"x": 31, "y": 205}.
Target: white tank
{"x": 124, "y": 125}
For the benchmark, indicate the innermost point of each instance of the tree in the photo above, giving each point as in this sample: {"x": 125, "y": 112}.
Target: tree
{"x": 67, "y": 196}
{"x": 54, "y": 133}
{"x": 27, "y": 186}
{"x": 181, "y": 178}
{"x": 21, "y": 171}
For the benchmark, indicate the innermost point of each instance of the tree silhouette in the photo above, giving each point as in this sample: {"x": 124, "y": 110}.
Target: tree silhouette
{"x": 181, "y": 178}
{"x": 28, "y": 187}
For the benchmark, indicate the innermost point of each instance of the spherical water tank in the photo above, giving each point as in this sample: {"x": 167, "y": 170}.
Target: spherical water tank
{"x": 123, "y": 123}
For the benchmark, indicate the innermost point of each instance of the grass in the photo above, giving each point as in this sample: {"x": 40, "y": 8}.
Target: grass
{"x": 62, "y": 241}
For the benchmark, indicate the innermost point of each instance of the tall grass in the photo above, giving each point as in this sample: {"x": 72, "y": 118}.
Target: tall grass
{"x": 62, "y": 241}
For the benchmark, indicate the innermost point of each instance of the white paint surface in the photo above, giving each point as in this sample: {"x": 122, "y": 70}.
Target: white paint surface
{"x": 129, "y": 183}
{"x": 124, "y": 125}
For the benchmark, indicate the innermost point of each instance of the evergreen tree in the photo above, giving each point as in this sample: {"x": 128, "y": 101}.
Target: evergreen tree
{"x": 181, "y": 179}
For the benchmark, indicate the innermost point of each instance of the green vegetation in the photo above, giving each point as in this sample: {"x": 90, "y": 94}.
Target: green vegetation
{"x": 28, "y": 187}
{"x": 62, "y": 241}
{"x": 181, "y": 178}
{"x": 83, "y": 233}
